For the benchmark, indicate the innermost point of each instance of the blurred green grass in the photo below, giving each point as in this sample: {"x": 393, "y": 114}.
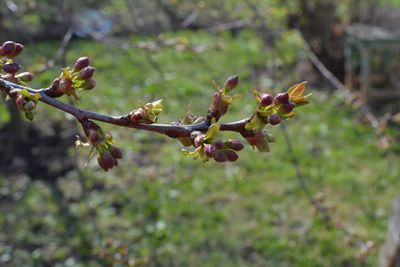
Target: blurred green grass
{"x": 174, "y": 211}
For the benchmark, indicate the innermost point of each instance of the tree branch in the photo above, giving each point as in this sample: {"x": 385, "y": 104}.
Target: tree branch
{"x": 172, "y": 130}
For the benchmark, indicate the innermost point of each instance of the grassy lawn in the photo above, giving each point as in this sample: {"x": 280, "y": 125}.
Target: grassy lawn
{"x": 169, "y": 210}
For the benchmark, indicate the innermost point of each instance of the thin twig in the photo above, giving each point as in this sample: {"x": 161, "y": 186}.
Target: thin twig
{"x": 172, "y": 130}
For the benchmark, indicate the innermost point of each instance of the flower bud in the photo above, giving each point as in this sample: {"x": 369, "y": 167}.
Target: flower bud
{"x": 55, "y": 85}
{"x": 93, "y": 136}
{"x": 274, "y": 119}
{"x": 219, "y": 144}
{"x": 210, "y": 150}
{"x": 25, "y": 76}
{"x": 105, "y": 161}
{"x": 234, "y": 144}
{"x": 20, "y": 102}
{"x": 281, "y": 98}
{"x": 18, "y": 50}
{"x": 65, "y": 86}
{"x": 137, "y": 115}
{"x": 266, "y": 100}
{"x": 288, "y": 107}
{"x": 89, "y": 84}
{"x": 8, "y": 48}
{"x": 198, "y": 140}
{"x": 231, "y": 83}
{"x": 11, "y": 68}
{"x": 81, "y": 63}
{"x": 219, "y": 157}
{"x": 116, "y": 152}
{"x": 231, "y": 155}
{"x": 86, "y": 73}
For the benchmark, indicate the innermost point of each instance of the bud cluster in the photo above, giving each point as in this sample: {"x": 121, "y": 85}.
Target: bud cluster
{"x": 271, "y": 110}
{"x": 207, "y": 146}
{"x": 221, "y": 100}
{"x": 8, "y": 51}
{"x": 147, "y": 113}
{"x": 70, "y": 80}
{"x": 222, "y": 151}
{"x": 107, "y": 153}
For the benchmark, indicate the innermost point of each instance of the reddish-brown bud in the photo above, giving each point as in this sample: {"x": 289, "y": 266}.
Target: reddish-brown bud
{"x": 93, "y": 137}
{"x": 18, "y": 50}
{"x": 231, "y": 83}
{"x": 219, "y": 144}
{"x": 89, "y": 84}
{"x": 219, "y": 156}
{"x": 210, "y": 150}
{"x": 231, "y": 155}
{"x": 281, "y": 98}
{"x": 65, "y": 86}
{"x": 81, "y": 63}
{"x": 106, "y": 161}
{"x": 266, "y": 100}
{"x": 25, "y": 76}
{"x": 11, "y": 68}
{"x": 274, "y": 119}
{"x": 288, "y": 107}
{"x": 116, "y": 152}
{"x": 86, "y": 73}
{"x": 198, "y": 140}
{"x": 234, "y": 144}
{"x": 137, "y": 115}
{"x": 20, "y": 102}
{"x": 11, "y": 49}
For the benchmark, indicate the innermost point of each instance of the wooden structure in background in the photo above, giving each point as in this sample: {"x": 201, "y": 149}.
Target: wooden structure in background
{"x": 390, "y": 254}
{"x": 372, "y": 62}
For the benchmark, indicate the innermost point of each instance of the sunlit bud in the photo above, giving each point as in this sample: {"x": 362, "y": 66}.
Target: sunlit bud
{"x": 136, "y": 115}
{"x": 274, "y": 119}
{"x": 20, "y": 102}
{"x": 198, "y": 140}
{"x": 11, "y": 68}
{"x": 288, "y": 107}
{"x": 81, "y": 63}
{"x": 209, "y": 150}
{"x": 281, "y": 98}
{"x": 66, "y": 85}
{"x": 8, "y": 48}
{"x": 55, "y": 85}
{"x": 86, "y": 73}
{"x": 116, "y": 152}
{"x": 231, "y": 155}
{"x": 231, "y": 83}
{"x": 18, "y": 50}
{"x": 219, "y": 156}
{"x": 266, "y": 100}
{"x": 25, "y": 76}
{"x": 234, "y": 144}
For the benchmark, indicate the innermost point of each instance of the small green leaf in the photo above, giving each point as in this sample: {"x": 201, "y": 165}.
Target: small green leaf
{"x": 212, "y": 132}
{"x": 29, "y": 115}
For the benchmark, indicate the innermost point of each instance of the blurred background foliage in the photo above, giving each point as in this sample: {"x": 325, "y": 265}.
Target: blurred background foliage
{"x": 159, "y": 208}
